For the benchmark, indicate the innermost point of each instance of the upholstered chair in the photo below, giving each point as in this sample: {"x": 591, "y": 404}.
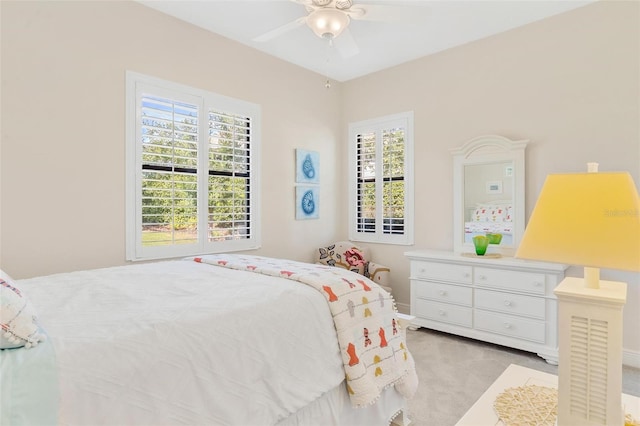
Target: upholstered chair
{"x": 345, "y": 254}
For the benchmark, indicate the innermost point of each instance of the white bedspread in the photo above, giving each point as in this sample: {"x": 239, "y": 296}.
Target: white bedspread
{"x": 484, "y": 227}
{"x": 374, "y": 351}
{"x": 180, "y": 342}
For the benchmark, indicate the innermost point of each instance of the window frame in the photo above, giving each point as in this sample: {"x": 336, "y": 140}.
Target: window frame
{"x": 138, "y": 84}
{"x": 377, "y": 125}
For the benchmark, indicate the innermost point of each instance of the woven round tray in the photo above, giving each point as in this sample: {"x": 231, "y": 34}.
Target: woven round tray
{"x": 527, "y": 405}
{"x": 486, "y": 255}
{"x": 630, "y": 421}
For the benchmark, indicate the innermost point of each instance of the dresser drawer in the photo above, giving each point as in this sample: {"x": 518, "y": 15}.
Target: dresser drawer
{"x": 440, "y": 292}
{"x": 518, "y": 304}
{"x": 441, "y": 272}
{"x": 508, "y": 325}
{"x": 529, "y": 282}
{"x": 443, "y": 312}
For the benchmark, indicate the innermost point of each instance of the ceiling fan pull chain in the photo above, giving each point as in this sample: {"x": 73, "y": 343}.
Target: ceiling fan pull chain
{"x": 327, "y": 83}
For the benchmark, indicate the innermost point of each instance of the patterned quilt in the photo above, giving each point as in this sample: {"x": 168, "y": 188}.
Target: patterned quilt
{"x": 374, "y": 351}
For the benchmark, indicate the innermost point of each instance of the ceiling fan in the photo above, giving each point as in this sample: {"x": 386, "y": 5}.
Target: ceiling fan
{"x": 329, "y": 19}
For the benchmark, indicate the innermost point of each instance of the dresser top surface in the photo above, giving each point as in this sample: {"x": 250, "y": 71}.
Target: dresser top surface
{"x": 462, "y": 259}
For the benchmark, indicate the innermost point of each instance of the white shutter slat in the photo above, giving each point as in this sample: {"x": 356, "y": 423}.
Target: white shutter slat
{"x": 230, "y": 183}
{"x": 169, "y": 198}
{"x": 366, "y": 187}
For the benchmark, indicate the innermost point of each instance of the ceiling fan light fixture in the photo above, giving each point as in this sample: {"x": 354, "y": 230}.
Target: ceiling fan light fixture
{"x": 327, "y": 23}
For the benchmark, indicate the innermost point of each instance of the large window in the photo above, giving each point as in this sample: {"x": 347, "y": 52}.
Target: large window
{"x": 191, "y": 171}
{"x": 381, "y": 178}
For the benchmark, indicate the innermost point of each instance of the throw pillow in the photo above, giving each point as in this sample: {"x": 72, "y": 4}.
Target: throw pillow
{"x": 509, "y": 214}
{"x": 350, "y": 258}
{"x": 355, "y": 260}
{"x": 481, "y": 214}
{"x": 327, "y": 255}
{"x": 497, "y": 214}
{"x": 18, "y": 319}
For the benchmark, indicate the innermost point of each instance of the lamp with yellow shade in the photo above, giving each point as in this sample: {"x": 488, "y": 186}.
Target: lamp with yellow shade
{"x": 591, "y": 220}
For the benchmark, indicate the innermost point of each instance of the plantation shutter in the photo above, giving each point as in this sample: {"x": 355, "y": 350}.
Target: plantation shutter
{"x": 229, "y": 185}
{"x": 169, "y": 172}
{"x": 191, "y": 171}
{"x": 366, "y": 186}
{"x": 393, "y": 186}
{"x": 381, "y": 200}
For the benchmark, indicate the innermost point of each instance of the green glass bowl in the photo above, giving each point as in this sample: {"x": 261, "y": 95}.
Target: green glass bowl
{"x": 494, "y": 238}
{"x": 480, "y": 243}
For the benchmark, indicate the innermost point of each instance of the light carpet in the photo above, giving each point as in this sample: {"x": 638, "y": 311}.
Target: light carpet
{"x": 455, "y": 371}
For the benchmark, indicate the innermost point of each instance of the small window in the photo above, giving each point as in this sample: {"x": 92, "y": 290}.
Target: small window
{"x": 381, "y": 177}
{"x": 191, "y": 171}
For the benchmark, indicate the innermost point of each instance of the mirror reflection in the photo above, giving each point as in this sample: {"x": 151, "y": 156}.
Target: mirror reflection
{"x": 488, "y": 201}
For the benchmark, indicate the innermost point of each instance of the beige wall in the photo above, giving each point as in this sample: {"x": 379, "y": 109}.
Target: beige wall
{"x": 570, "y": 84}
{"x": 63, "y": 128}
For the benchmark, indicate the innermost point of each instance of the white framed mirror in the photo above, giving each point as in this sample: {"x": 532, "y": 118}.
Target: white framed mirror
{"x": 488, "y": 192}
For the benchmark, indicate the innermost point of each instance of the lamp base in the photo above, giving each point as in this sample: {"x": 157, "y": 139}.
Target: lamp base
{"x": 590, "y": 352}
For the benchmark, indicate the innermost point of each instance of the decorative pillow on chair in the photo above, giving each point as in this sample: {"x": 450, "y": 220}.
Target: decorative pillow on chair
{"x": 347, "y": 257}
{"x": 18, "y": 319}
{"x": 378, "y": 274}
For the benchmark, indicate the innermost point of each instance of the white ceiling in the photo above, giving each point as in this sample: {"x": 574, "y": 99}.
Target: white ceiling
{"x": 427, "y": 27}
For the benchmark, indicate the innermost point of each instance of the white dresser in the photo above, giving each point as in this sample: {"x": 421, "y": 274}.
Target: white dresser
{"x": 503, "y": 300}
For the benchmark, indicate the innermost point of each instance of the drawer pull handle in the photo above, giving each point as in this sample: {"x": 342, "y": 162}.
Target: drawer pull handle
{"x": 483, "y": 277}
{"x": 442, "y": 313}
{"x": 442, "y": 293}
{"x": 507, "y": 325}
{"x": 537, "y": 284}
{"x": 467, "y": 275}
{"x": 507, "y": 303}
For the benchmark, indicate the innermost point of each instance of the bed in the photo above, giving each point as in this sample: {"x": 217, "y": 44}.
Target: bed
{"x": 490, "y": 218}
{"x": 215, "y": 340}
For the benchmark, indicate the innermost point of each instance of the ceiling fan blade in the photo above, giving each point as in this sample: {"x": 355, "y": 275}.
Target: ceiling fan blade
{"x": 280, "y": 30}
{"x": 346, "y": 45}
{"x": 388, "y": 13}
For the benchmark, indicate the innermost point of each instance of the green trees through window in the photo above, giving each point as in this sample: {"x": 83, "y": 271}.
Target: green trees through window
{"x": 194, "y": 170}
{"x": 381, "y": 201}
{"x": 392, "y": 177}
{"x": 170, "y": 174}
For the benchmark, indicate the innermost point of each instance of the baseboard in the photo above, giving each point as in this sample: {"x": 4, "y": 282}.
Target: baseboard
{"x": 631, "y": 359}
{"x": 403, "y": 308}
